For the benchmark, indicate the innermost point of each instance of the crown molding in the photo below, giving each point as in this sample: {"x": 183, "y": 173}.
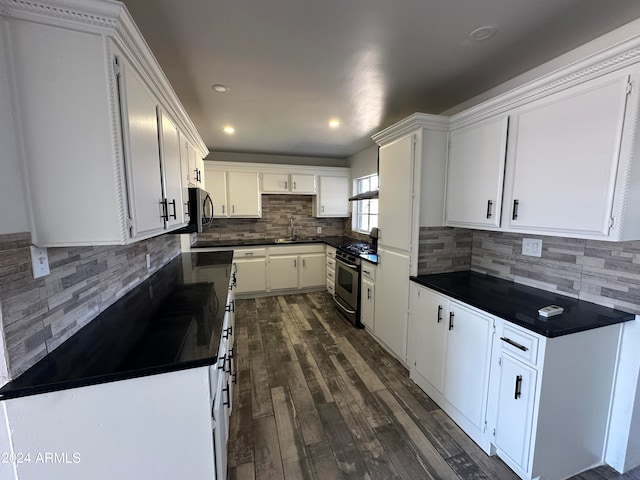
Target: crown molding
{"x": 411, "y": 123}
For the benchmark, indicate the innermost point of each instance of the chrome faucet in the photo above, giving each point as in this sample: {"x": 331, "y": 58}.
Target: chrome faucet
{"x": 293, "y": 234}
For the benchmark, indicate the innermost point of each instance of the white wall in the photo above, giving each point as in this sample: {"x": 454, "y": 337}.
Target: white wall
{"x": 279, "y": 159}
{"x": 364, "y": 163}
{"x": 13, "y": 214}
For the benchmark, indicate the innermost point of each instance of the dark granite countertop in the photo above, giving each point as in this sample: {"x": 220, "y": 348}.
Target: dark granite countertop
{"x": 171, "y": 321}
{"x": 519, "y": 304}
{"x": 270, "y": 242}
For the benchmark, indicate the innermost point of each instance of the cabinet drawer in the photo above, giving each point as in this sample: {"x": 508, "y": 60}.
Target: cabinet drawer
{"x": 331, "y": 276}
{"x": 249, "y": 252}
{"x": 368, "y": 270}
{"x": 331, "y": 287}
{"x": 519, "y": 343}
{"x": 331, "y": 252}
{"x": 331, "y": 263}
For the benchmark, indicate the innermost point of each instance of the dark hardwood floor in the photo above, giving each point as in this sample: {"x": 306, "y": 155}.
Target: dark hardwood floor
{"x": 318, "y": 399}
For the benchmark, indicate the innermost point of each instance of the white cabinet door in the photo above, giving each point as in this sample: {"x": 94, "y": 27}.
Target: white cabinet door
{"x": 428, "y": 335}
{"x": 283, "y": 272}
{"x": 396, "y": 193}
{"x": 312, "y": 270}
{"x": 221, "y": 428}
{"x": 516, "y": 398}
{"x": 244, "y": 194}
{"x": 475, "y": 173}
{"x": 275, "y": 183}
{"x": 186, "y": 183}
{"x": 565, "y": 151}
{"x": 200, "y": 177}
{"x": 171, "y": 170}
{"x": 303, "y": 183}
{"x": 467, "y": 362}
{"x": 216, "y": 181}
{"x": 333, "y": 197}
{"x": 392, "y": 300}
{"x": 251, "y": 274}
{"x": 141, "y": 150}
{"x": 367, "y": 303}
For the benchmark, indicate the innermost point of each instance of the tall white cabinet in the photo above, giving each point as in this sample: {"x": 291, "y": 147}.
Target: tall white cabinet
{"x": 411, "y": 175}
{"x": 108, "y": 92}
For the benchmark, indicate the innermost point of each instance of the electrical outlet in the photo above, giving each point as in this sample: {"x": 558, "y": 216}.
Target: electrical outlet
{"x": 318, "y": 229}
{"x": 39, "y": 262}
{"x": 148, "y": 257}
{"x": 532, "y": 247}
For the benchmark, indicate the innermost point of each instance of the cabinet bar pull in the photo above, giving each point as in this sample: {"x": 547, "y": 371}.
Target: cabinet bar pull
{"x": 188, "y": 205}
{"x": 165, "y": 210}
{"x": 489, "y": 205}
{"x": 227, "y": 402}
{"x": 223, "y": 209}
{"x": 515, "y": 210}
{"x": 223, "y": 358}
{"x": 518, "y": 391}
{"x": 439, "y": 313}
{"x": 515, "y": 344}
{"x": 286, "y": 185}
{"x": 175, "y": 212}
{"x": 450, "y": 320}
{"x": 231, "y": 307}
{"x": 294, "y": 185}
{"x": 233, "y": 209}
{"x": 295, "y": 263}
{"x": 368, "y": 293}
{"x": 304, "y": 263}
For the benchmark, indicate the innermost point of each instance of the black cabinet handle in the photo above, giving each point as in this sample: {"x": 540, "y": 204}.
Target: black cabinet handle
{"x": 228, "y": 369}
{"x": 227, "y": 402}
{"x": 175, "y": 213}
{"x": 515, "y": 210}
{"x": 515, "y": 344}
{"x": 231, "y": 307}
{"x": 489, "y": 205}
{"x": 165, "y": 209}
{"x": 368, "y": 293}
{"x": 188, "y": 205}
{"x": 450, "y": 320}
{"x": 224, "y": 359}
{"x": 439, "y": 318}
{"x": 518, "y": 391}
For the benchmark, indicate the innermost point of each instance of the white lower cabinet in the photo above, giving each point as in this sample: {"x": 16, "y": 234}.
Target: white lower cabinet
{"x": 293, "y": 267}
{"x": 283, "y": 272}
{"x": 542, "y": 404}
{"x": 449, "y": 355}
{"x": 367, "y": 295}
{"x": 312, "y": 270}
{"x": 251, "y": 270}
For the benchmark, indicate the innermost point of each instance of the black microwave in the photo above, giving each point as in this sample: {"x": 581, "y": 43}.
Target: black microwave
{"x": 200, "y": 211}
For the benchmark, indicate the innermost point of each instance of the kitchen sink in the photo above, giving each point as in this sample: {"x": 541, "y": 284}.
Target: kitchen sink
{"x": 294, "y": 240}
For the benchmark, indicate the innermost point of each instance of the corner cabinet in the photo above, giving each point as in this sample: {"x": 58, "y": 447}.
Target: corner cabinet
{"x": 109, "y": 91}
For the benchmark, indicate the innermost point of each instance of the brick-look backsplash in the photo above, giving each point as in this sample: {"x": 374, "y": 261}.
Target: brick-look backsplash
{"x": 38, "y": 315}
{"x": 444, "y": 249}
{"x": 277, "y": 211}
{"x": 606, "y": 273}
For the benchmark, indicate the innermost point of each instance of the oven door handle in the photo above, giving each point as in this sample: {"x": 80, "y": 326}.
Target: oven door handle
{"x": 335, "y": 298}
{"x": 349, "y": 265}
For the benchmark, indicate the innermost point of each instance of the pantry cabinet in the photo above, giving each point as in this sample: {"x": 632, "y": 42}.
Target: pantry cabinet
{"x": 475, "y": 174}
{"x": 108, "y": 88}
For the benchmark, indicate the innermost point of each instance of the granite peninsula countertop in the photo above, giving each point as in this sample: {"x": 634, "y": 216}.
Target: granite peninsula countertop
{"x": 171, "y": 321}
{"x": 519, "y": 304}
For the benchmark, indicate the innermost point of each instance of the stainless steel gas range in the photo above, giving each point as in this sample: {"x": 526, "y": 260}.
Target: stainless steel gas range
{"x": 347, "y": 291}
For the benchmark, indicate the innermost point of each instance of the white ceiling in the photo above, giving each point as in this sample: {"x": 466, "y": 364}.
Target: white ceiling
{"x": 294, "y": 64}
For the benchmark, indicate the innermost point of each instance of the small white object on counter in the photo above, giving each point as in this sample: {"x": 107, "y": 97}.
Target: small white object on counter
{"x": 550, "y": 311}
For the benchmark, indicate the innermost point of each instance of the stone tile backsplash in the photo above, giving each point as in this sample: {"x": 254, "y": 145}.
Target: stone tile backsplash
{"x": 606, "y": 273}
{"x": 275, "y": 222}
{"x": 39, "y": 314}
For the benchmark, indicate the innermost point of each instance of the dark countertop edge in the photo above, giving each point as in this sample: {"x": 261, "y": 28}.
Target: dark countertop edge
{"x": 624, "y": 317}
{"x": 108, "y": 378}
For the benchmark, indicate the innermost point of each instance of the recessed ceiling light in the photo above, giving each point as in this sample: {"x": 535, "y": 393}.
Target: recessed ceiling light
{"x": 482, "y": 33}
{"x": 334, "y": 123}
{"x": 229, "y": 129}
{"x": 218, "y": 87}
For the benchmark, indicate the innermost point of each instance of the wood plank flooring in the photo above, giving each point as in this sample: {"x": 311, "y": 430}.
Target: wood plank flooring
{"x": 318, "y": 399}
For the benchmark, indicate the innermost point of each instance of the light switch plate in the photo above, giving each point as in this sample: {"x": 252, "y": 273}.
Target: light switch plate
{"x": 318, "y": 229}
{"x": 39, "y": 262}
{"x": 532, "y": 247}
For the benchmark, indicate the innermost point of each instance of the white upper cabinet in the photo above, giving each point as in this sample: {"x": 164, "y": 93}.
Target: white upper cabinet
{"x": 171, "y": 170}
{"x": 295, "y": 183}
{"x": 85, "y": 89}
{"x": 564, "y": 158}
{"x": 475, "y": 173}
{"x": 244, "y": 198}
{"x": 216, "y": 181}
{"x": 333, "y": 196}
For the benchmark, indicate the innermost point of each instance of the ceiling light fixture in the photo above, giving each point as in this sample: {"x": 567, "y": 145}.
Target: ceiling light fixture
{"x": 483, "y": 33}
{"x": 218, "y": 87}
{"x": 334, "y": 123}
{"x": 229, "y": 129}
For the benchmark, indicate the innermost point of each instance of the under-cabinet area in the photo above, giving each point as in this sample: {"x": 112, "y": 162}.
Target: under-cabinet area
{"x": 518, "y": 384}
